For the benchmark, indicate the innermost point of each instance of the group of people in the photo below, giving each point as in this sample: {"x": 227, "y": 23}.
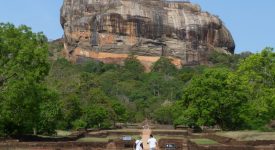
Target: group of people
{"x": 152, "y": 142}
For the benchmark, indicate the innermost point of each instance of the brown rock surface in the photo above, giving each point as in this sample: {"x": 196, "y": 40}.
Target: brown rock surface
{"x": 109, "y": 30}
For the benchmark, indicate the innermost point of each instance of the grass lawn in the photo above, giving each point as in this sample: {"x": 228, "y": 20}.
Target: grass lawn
{"x": 125, "y": 130}
{"x": 168, "y": 130}
{"x": 204, "y": 142}
{"x": 59, "y": 134}
{"x": 99, "y": 139}
{"x": 248, "y": 135}
{"x": 63, "y": 133}
{"x": 169, "y": 137}
{"x": 93, "y": 139}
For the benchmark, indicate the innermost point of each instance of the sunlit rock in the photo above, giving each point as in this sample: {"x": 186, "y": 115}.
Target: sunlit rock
{"x": 110, "y": 30}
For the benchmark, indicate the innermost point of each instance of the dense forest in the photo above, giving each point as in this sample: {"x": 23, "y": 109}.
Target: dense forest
{"x": 40, "y": 91}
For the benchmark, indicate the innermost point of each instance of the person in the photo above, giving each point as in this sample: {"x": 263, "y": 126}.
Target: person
{"x": 152, "y": 142}
{"x": 138, "y": 144}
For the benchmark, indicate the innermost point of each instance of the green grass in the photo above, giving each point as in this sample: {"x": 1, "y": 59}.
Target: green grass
{"x": 93, "y": 139}
{"x": 169, "y": 137}
{"x": 125, "y": 130}
{"x": 248, "y": 135}
{"x": 97, "y": 139}
{"x": 63, "y": 133}
{"x": 59, "y": 134}
{"x": 168, "y": 130}
{"x": 49, "y": 136}
{"x": 204, "y": 142}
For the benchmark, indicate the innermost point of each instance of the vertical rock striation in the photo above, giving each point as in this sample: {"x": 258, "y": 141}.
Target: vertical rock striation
{"x": 110, "y": 30}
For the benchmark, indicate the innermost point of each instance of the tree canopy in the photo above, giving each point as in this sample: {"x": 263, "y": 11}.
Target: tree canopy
{"x": 40, "y": 95}
{"x": 26, "y": 104}
{"x": 239, "y": 99}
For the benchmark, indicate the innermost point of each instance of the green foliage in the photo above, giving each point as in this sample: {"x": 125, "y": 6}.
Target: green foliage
{"x": 127, "y": 92}
{"x": 204, "y": 141}
{"x": 50, "y": 112}
{"x": 241, "y": 99}
{"x": 55, "y": 48}
{"x": 205, "y": 100}
{"x": 164, "y": 114}
{"x": 133, "y": 65}
{"x": 79, "y": 124}
{"x": 84, "y": 87}
{"x": 164, "y": 65}
{"x": 237, "y": 92}
{"x": 256, "y": 74}
{"x": 223, "y": 59}
{"x": 97, "y": 67}
{"x": 97, "y": 117}
{"x": 23, "y": 56}
{"x": 24, "y": 65}
{"x": 120, "y": 112}
{"x": 227, "y": 60}
{"x": 71, "y": 110}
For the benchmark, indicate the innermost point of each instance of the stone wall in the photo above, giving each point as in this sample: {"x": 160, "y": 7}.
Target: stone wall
{"x": 231, "y": 144}
{"x": 179, "y": 144}
{"x": 53, "y": 146}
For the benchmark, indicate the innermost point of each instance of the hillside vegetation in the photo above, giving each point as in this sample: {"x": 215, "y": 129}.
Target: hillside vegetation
{"x": 39, "y": 95}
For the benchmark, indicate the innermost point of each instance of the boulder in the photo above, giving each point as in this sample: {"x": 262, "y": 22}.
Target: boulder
{"x": 110, "y": 30}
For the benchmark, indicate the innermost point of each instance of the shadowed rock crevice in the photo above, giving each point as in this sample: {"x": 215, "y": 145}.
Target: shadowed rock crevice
{"x": 151, "y": 28}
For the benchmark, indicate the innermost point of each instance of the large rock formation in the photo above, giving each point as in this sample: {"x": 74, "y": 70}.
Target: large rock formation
{"x": 110, "y": 30}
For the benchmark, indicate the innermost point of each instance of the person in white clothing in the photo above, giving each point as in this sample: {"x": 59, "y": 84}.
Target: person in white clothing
{"x": 138, "y": 144}
{"x": 152, "y": 143}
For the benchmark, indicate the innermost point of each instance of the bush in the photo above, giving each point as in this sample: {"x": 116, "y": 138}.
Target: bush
{"x": 79, "y": 124}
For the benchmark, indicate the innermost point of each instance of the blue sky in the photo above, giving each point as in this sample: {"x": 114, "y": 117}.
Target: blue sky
{"x": 251, "y": 22}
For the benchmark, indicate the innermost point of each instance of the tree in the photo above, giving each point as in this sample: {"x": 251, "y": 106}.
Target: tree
{"x": 164, "y": 114}
{"x": 256, "y": 76}
{"x": 164, "y": 65}
{"x": 133, "y": 65}
{"x": 206, "y": 101}
{"x": 24, "y": 65}
{"x": 259, "y": 69}
{"x": 97, "y": 116}
{"x": 227, "y": 60}
{"x": 93, "y": 67}
{"x": 243, "y": 99}
{"x": 108, "y": 80}
{"x": 49, "y": 112}
{"x": 71, "y": 110}
{"x": 23, "y": 55}
{"x": 222, "y": 59}
{"x": 132, "y": 68}
{"x": 120, "y": 112}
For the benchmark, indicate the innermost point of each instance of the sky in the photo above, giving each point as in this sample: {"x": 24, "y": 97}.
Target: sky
{"x": 251, "y": 22}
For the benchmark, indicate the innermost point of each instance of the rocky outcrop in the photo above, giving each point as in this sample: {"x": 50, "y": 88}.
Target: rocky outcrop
{"x": 110, "y": 30}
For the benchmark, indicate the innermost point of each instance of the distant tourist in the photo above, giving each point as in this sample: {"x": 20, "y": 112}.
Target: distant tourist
{"x": 152, "y": 143}
{"x": 138, "y": 144}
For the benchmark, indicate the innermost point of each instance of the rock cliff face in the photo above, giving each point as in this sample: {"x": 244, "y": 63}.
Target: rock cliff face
{"x": 110, "y": 30}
